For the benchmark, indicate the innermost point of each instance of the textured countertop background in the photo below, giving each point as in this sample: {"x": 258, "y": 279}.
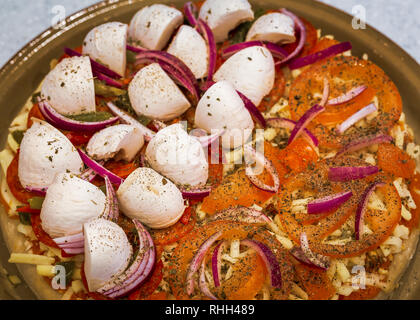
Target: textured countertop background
{"x": 22, "y": 20}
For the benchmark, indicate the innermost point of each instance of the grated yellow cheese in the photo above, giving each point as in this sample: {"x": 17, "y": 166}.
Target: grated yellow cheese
{"x": 27, "y": 258}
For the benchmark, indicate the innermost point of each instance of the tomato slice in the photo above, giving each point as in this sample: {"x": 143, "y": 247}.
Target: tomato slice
{"x": 34, "y": 113}
{"x": 395, "y": 161}
{"x": 14, "y": 184}
{"x": 382, "y": 223}
{"x": 237, "y": 190}
{"x": 146, "y": 290}
{"x": 315, "y": 282}
{"x": 249, "y": 275}
{"x": 187, "y": 248}
{"x": 175, "y": 233}
{"x": 362, "y": 294}
{"x": 343, "y": 74}
{"x": 40, "y": 234}
{"x": 414, "y": 188}
{"x": 121, "y": 168}
{"x": 311, "y": 40}
{"x": 315, "y": 182}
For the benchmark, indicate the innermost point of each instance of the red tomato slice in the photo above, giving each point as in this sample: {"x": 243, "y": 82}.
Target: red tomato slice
{"x": 40, "y": 234}
{"x": 187, "y": 248}
{"x": 315, "y": 282}
{"x": 14, "y": 184}
{"x": 343, "y": 74}
{"x": 175, "y": 233}
{"x": 395, "y": 161}
{"x": 414, "y": 188}
{"x": 34, "y": 113}
{"x": 362, "y": 294}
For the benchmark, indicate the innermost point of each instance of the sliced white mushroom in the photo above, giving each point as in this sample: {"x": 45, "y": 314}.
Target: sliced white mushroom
{"x": 107, "y": 44}
{"x": 153, "y": 26}
{"x": 70, "y": 202}
{"x": 221, "y": 108}
{"x": 107, "y": 252}
{"x": 69, "y": 87}
{"x": 251, "y": 71}
{"x": 274, "y": 27}
{"x": 223, "y": 16}
{"x": 151, "y": 198}
{"x": 190, "y": 47}
{"x": 121, "y": 141}
{"x": 153, "y": 94}
{"x": 45, "y": 152}
{"x": 178, "y": 156}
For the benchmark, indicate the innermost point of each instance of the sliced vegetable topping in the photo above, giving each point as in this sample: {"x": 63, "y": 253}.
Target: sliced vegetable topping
{"x": 351, "y": 173}
{"x": 62, "y": 122}
{"x": 362, "y": 207}
{"x": 99, "y": 169}
{"x": 312, "y": 58}
{"x": 328, "y": 203}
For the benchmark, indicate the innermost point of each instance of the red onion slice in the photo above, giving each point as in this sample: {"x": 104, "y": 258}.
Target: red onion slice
{"x": 362, "y": 207}
{"x": 195, "y": 193}
{"x": 95, "y": 65}
{"x": 325, "y": 93}
{"x": 260, "y": 159}
{"x": 190, "y": 11}
{"x": 242, "y": 214}
{"x": 73, "y": 244}
{"x": 202, "y": 283}
{"x": 359, "y": 115}
{"x": 70, "y": 239}
{"x": 329, "y": 202}
{"x": 275, "y": 49}
{"x": 127, "y": 119}
{"x": 216, "y": 261}
{"x": 299, "y": 255}
{"x": 208, "y": 140}
{"x": 365, "y": 142}
{"x": 102, "y": 171}
{"x": 348, "y": 96}
{"x": 64, "y": 123}
{"x": 211, "y": 46}
{"x": 290, "y": 125}
{"x": 168, "y": 59}
{"x": 326, "y": 53}
{"x": 198, "y": 259}
{"x": 302, "y": 31}
{"x": 344, "y": 174}
{"x": 38, "y": 191}
{"x": 269, "y": 259}
{"x": 74, "y": 251}
{"x": 108, "y": 80}
{"x": 304, "y": 121}
{"x": 253, "y": 110}
{"x": 320, "y": 261}
{"x": 136, "y": 49}
{"x": 139, "y": 269}
{"x": 111, "y": 211}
